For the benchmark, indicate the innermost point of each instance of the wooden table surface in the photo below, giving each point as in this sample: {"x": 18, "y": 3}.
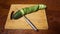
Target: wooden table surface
{"x": 52, "y": 12}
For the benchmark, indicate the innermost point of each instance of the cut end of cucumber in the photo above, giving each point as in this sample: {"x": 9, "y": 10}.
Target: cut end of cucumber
{"x": 42, "y": 6}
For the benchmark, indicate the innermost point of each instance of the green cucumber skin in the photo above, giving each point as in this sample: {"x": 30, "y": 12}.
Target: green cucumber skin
{"x": 31, "y": 9}
{"x": 27, "y": 10}
{"x": 17, "y": 15}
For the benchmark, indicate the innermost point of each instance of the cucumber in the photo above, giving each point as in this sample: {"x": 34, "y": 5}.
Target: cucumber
{"x": 28, "y": 10}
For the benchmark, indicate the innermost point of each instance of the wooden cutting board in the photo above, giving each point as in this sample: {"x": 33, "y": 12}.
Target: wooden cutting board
{"x": 37, "y": 18}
